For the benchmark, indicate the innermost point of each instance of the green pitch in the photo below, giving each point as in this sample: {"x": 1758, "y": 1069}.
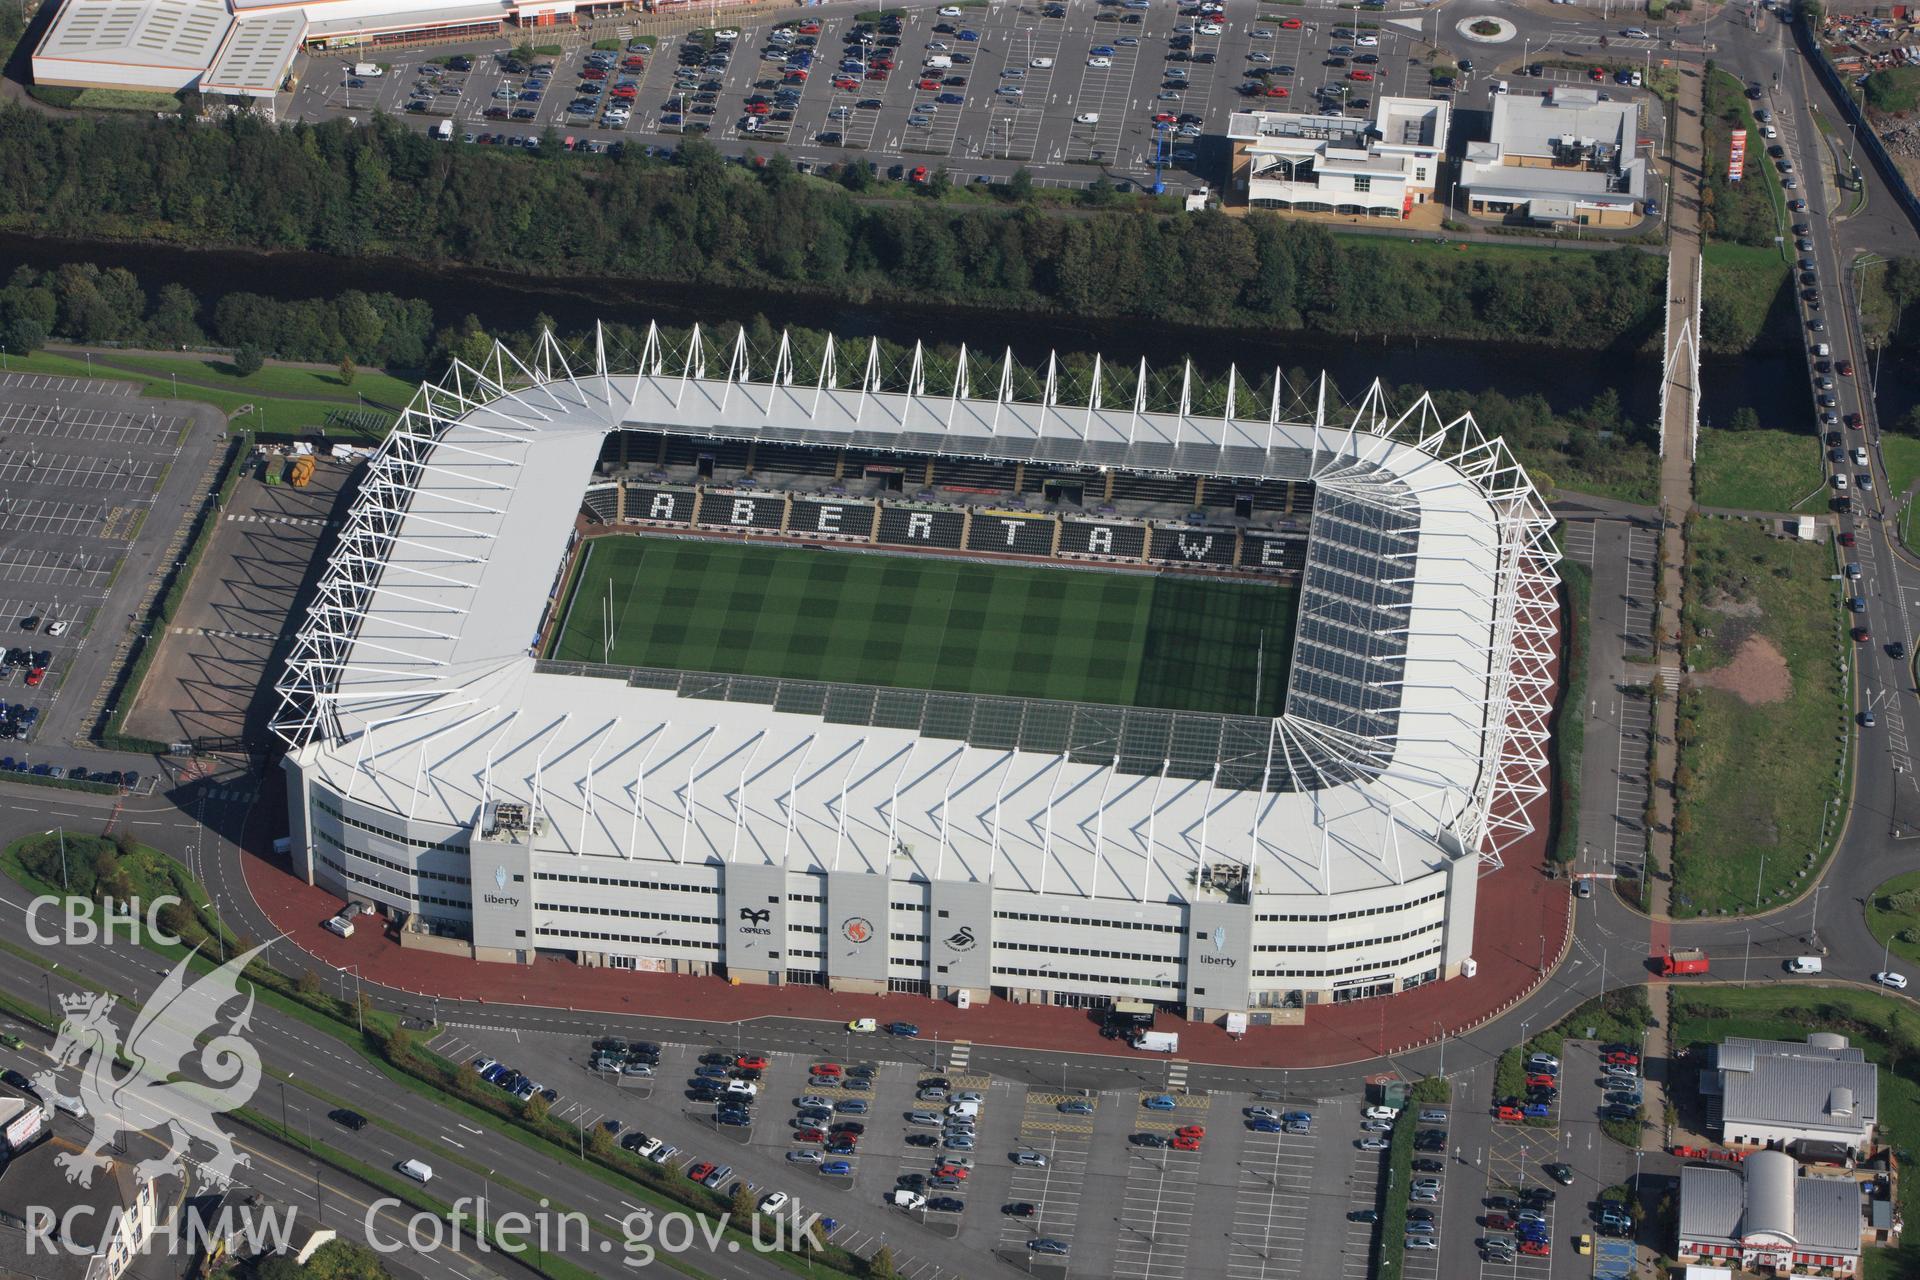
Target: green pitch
{"x": 917, "y": 622}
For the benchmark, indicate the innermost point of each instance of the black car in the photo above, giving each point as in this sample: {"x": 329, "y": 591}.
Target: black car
{"x": 1148, "y": 1139}
{"x": 1364, "y": 1215}
{"x": 1019, "y": 1209}
{"x": 1560, "y": 1173}
{"x": 947, "y": 1204}
{"x": 346, "y": 1119}
{"x": 24, "y": 1085}
{"x": 923, "y": 1140}
{"x": 848, "y": 1126}
{"x": 1898, "y": 649}
{"x": 912, "y": 1181}
{"x": 1428, "y": 1166}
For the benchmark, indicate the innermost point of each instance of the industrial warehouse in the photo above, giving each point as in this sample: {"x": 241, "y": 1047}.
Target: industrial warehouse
{"x": 584, "y": 678}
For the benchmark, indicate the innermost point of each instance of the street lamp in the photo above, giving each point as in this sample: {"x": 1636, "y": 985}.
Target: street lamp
{"x": 62, "y": 833}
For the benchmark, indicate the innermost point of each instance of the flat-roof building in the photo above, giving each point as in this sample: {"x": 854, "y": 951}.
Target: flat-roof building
{"x": 1777, "y": 1093}
{"x": 1765, "y": 1217}
{"x": 1379, "y": 168}
{"x": 1566, "y": 158}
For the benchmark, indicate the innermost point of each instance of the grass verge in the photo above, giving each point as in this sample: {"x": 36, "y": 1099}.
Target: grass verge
{"x": 1570, "y": 726}
{"x": 1740, "y": 287}
{"x": 1391, "y": 1251}
{"x": 1893, "y": 916}
{"x": 1759, "y": 471}
{"x": 1764, "y": 720}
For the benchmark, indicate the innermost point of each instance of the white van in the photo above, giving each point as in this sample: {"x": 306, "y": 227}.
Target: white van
{"x": 418, "y": 1170}
{"x": 938, "y": 62}
{"x": 964, "y": 1110}
{"x": 1822, "y": 349}
{"x": 1500, "y": 88}
{"x": 908, "y": 1199}
{"x": 340, "y": 925}
{"x": 1804, "y": 964}
{"x": 1041, "y": 64}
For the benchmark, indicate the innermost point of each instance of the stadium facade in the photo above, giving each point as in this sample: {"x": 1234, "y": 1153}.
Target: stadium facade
{"x": 872, "y": 839}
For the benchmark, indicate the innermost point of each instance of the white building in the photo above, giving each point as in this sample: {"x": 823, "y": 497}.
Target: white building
{"x": 1763, "y": 1217}
{"x": 1379, "y": 168}
{"x": 1775, "y": 1093}
{"x": 1566, "y": 158}
{"x": 875, "y": 839}
{"x": 246, "y": 48}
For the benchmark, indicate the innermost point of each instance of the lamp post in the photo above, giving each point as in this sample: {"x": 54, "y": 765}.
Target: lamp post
{"x": 62, "y": 833}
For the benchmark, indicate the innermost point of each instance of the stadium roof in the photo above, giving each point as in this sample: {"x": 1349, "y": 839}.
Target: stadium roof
{"x": 1416, "y": 712}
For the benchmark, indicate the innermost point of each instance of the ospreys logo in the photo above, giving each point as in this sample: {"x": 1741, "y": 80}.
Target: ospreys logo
{"x": 749, "y": 916}
{"x": 857, "y": 929}
{"x": 961, "y": 939}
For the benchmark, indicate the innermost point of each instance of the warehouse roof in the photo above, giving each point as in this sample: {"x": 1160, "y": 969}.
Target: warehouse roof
{"x": 1832, "y": 1092}
{"x": 178, "y": 35}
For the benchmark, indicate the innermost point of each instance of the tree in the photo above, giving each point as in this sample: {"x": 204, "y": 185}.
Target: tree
{"x": 524, "y": 51}
{"x": 940, "y": 183}
{"x": 854, "y": 176}
{"x": 1743, "y": 419}
{"x": 248, "y": 360}
{"x": 308, "y": 984}
{"x": 880, "y": 1265}
{"x": 599, "y": 1141}
{"x": 347, "y": 371}
{"x": 743, "y": 1202}
{"x": 1020, "y": 186}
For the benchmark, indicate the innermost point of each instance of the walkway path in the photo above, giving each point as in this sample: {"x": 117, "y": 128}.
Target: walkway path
{"x": 1676, "y": 501}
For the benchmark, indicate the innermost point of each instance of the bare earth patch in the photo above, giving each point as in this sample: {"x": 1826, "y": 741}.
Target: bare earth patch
{"x": 1758, "y": 674}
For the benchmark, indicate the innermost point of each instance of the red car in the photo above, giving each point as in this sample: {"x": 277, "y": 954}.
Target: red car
{"x": 1359, "y": 75}
{"x": 626, "y": 92}
{"x": 700, "y": 1172}
{"x": 1498, "y": 1222}
{"x": 920, "y": 173}
{"x": 809, "y": 1135}
{"x": 1509, "y": 1113}
{"x": 825, "y": 1069}
{"x": 1165, "y": 117}
{"x": 1855, "y": 421}
{"x": 757, "y": 109}
{"x": 884, "y": 64}
{"x": 751, "y": 1062}
{"x": 929, "y": 84}
{"x": 1861, "y": 635}
{"x": 876, "y": 74}
{"x": 845, "y": 82}
{"x": 1194, "y": 1131}
{"x": 593, "y": 73}
{"x": 809, "y": 28}
{"x": 1289, "y": 24}
{"x": 36, "y": 675}
{"x": 951, "y": 1171}
{"x": 1277, "y": 91}
{"x": 634, "y": 64}
{"x": 1597, "y": 74}
{"x": 1621, "y": 1058}
{"x": 1846, "y": 539}
{"x": 1844, "y": 368}
{"x": 1542, "y": 1081}
{"x": 1536, "y": 1248}
{"x": 1184, "y": 1143}
{"x": 796, "y": 76}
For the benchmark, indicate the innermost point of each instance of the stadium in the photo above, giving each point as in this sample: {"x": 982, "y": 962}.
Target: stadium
{"x": 959, "y": 678}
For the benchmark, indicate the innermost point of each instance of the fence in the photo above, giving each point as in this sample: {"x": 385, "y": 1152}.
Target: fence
{"x": 1869, "y": 141}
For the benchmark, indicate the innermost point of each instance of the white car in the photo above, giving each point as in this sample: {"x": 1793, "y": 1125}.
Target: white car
{"x": 773, "y": 1201}
{"x": 1898, "y": 981}
{"x": 1041, "y": 64}
{"x": 58, "y": 629}
{"x": 1260, "y": 33}
{"x": 1422, "y": 1242}
{"x": 864, "y": 1024}
{"x": 950, "y": 11}
{"x": 1383, "y": 1113}
{"x": 1087, "y": 117}
{"x": 1637, "y": 33}
{"x": 726, "y": 33}
{"x": 805, "y": 1157}
{"x": 1100, "y": 62}
{"x": 1258, "y": 56}
{"x": 1367, "y": 42}
{"x": 1210, "y": 28}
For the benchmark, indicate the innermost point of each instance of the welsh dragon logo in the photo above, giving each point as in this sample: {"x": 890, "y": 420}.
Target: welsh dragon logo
{"x": 138, "y": 1088}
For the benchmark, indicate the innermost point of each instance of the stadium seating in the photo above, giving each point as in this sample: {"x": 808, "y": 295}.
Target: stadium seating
{"x": 774, "y": 461}
{"x": 970, "y": 476}
{"x": 602, "y": 503}
{"x": 1176, "y": 491}
{"x": 920, "y": 527}
{"x": 723, "y": 509}
{"x": 729, "y": 457}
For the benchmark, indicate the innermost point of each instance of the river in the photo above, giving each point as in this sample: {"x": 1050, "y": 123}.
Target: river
{"x": 1566, "y": 379}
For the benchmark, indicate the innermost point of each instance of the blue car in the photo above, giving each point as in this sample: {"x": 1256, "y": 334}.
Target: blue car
{"x": 907, "y": 1029}
{"x": 1158, "y": 1102}
{"x": 851, "y": 1106}
{"x": 837, "y": 1166}
{"x": 1265, "y": 1126}
{"x": 1536, "y": 1111}
{"x": 1297, "y": 1117}
{"x": 1101, "y": 51}
{"x": 950, "y": 99}
{"x": 969, "y": 35}
{"x": 711, "y": 1073}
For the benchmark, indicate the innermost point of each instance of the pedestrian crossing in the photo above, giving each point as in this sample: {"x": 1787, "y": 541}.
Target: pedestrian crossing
{"x": 311, "y": 522}
{"x": 1177, "y": 1076}
{"x": 225, "y": 635}
{"x": 957, "y": 1055}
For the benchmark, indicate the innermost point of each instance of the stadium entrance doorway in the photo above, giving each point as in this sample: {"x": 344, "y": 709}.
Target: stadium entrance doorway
{"x": 1069, "y": 493}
